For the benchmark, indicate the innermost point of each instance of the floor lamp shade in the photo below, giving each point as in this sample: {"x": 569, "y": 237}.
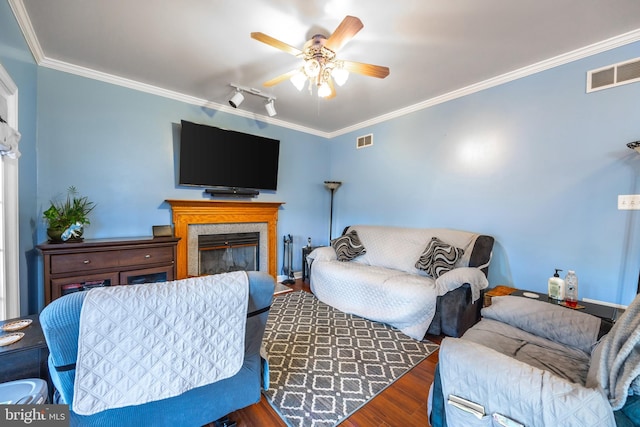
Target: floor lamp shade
{"x": 331, "y": 186}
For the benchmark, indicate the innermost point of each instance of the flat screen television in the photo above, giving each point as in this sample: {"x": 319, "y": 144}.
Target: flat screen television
{"x": 214, "y": 157}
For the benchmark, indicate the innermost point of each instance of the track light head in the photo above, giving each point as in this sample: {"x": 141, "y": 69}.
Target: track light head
{"x": 240, "y": 91}
{"x": 270, "y": 107}
{"x": 236, "y": 99}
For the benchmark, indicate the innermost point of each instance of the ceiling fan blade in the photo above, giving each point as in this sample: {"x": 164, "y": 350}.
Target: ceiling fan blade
{"x": 348, "y": 28}
{"x": 261, "y": 37}
{"x": 274, "y": 81}
{"x": 366, "y": 69}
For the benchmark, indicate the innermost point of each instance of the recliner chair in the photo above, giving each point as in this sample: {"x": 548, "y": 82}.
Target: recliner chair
{"x": 195, "y": 407}
{"x": 531, "y": 363}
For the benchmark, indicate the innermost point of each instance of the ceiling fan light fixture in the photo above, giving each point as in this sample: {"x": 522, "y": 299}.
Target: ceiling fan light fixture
{"x": 270, "y": 107}
{"x": 298, "y": 80}
{"x": 340, "y": 75}
{"x": 312, "y": 68}
{"x": 320, "y": 65}
{"x": 236, "y": 99}
{"x": 324, "y": 90}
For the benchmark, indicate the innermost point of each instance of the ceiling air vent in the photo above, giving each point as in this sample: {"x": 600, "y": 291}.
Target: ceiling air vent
{"x": 613, "y": 75}
{"x": 364, "y": 141}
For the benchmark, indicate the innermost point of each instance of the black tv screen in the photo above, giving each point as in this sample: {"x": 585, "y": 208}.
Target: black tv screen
{"x": 214, "y": 157}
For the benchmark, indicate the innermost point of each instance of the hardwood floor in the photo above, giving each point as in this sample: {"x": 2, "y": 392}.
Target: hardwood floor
{"x": 404, "y": 403}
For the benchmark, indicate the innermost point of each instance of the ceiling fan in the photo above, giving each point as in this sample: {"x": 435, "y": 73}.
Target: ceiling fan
{"x": 321, "y": 66}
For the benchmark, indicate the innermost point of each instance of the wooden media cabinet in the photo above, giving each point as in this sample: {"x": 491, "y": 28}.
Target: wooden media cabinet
{"x": 72, "y": 267}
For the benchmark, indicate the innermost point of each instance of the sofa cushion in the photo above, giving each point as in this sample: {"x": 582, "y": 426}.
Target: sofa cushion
{"x": 566, "y": 362}
{"x": 403, "y": 300}
{"x": 438, "y": 257}
{"x": 348, "y": 246}
{"x": 400, "y": 247}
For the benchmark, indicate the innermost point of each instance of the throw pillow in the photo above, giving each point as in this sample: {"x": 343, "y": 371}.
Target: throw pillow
{"x": 348, "y": 247}
{"x": 438, "y": 258}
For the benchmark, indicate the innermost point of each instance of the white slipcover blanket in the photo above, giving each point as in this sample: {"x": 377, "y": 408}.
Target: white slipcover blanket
{"x": 384, "y": 285}
{"x": 149, "y": 342}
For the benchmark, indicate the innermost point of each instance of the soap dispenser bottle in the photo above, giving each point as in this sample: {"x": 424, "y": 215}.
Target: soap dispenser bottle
{"x": 556, "y": 286}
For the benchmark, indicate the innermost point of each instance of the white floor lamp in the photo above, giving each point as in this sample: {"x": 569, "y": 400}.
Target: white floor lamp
{"x": 332, "y": 186}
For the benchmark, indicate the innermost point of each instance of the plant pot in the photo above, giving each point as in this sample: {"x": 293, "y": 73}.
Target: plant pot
{"x": 55, "y": 236}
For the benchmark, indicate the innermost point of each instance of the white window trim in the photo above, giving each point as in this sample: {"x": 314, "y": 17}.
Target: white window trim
{"x": 9, "y": 242}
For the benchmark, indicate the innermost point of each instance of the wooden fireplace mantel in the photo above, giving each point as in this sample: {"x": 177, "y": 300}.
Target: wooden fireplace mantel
{"x": 188, "y": 212}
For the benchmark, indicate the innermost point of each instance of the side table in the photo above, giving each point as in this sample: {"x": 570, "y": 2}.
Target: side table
{"x": 306, "y": 250}
{"x": 26, "y": 358}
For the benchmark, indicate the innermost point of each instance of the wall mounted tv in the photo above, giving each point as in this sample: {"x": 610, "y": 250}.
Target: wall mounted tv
{"x": 214, "y": 157}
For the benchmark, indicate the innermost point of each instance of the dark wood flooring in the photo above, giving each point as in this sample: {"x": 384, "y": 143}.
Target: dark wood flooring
{"x": 404, "y": 403}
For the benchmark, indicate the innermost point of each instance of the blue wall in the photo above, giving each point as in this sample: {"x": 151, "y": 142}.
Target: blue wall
{"x": 118, "y": 147}
{"x": 537, "y": 163}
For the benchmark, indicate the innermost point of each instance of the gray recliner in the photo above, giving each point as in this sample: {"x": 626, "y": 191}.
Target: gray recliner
{"x": 538, "y": 364}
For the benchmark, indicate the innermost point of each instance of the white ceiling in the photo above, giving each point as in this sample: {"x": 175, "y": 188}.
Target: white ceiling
{"x": 436, "y": 50}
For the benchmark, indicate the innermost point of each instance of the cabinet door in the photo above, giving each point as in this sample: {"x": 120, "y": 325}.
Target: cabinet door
{"x": 147, "y": 275}
{"x": 67, "y": 285}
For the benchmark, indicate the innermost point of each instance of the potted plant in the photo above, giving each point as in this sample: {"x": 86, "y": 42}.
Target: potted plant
{"x": 67, "y": 218}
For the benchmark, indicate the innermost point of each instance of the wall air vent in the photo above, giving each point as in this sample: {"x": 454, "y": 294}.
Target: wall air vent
{"x": 613, "y": 75}
{"x": 364, "y": 141}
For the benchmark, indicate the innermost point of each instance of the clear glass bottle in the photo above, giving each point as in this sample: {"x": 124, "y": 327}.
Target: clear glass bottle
{"x": 571, "y": 289}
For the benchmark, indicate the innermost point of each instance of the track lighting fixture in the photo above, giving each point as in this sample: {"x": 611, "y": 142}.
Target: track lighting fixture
{"x": 270, "y": 107}
{"x": 238, "y": 97}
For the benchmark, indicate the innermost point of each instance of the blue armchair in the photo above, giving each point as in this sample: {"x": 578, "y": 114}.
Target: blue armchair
{"x": 196, "y": 407}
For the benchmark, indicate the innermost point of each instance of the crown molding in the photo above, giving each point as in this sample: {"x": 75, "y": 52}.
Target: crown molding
{"x": 166, "y": 93}
{"x": 32, "y": 41}
{"x": 565, "y": 58}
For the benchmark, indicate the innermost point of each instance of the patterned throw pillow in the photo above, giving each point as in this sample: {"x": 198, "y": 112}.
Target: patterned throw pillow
{"x": 348, "y": 247}
{"x": 438, "y": 258}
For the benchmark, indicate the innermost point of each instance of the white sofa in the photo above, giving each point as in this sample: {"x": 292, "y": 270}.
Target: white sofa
{"x": 383, "y": 283}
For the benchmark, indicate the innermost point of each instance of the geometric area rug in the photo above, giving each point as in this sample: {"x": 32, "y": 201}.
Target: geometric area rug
{"x": 325, "y": 364}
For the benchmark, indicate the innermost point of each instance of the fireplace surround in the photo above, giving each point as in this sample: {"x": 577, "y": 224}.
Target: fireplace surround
{"x": 193, "y": 217}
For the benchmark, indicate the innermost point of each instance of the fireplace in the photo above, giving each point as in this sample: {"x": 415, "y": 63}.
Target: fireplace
{"x": 225, "y": 252}
{"x": 192, "y": 218}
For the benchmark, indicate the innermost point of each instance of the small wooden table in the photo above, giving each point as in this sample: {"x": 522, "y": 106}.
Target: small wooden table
{"x": 26, "y": 358}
